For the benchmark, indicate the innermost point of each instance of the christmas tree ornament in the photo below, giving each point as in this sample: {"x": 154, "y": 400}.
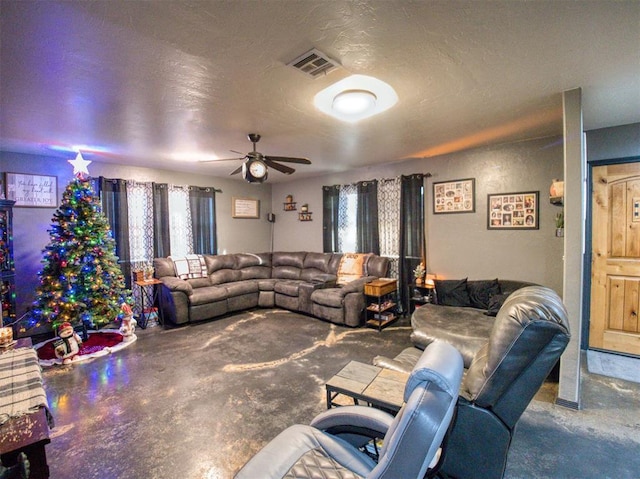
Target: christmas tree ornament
{"x": 80, "y": 166}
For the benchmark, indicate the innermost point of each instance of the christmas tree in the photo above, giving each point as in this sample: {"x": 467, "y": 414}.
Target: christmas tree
{"x": 81, "y": 281}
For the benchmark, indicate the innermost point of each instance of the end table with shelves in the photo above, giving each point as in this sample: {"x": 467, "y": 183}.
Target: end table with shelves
{"x": 418, "y": 295}
{"x": 382, "y": 311}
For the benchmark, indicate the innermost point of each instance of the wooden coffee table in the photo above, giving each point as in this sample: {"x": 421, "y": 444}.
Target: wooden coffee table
{"x": 376, "y": 386}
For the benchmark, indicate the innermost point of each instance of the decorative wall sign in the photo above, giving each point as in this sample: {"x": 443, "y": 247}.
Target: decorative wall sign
{"x": 32, "y": 190}
{"x": 513, "y": 211}
{"x": 457, "y": 196}
{"x": 245, "y": 208}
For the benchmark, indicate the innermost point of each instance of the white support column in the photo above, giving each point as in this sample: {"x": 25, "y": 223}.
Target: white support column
{"x": 574, "y": 244}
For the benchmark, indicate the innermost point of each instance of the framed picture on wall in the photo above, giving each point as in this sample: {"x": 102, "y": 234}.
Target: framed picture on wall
{"x": 509, "y": 211}
{"x": 40, "y": 191}
{"x": 245, "y": 208}
{"x": 457, "y": 196}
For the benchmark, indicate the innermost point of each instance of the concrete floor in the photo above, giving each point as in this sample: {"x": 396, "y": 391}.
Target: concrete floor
{"x": 198, "y": 401}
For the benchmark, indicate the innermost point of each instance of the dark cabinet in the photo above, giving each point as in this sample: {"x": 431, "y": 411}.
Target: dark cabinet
{"x": 419, "y": 294}
{"x": 7, "y": 268}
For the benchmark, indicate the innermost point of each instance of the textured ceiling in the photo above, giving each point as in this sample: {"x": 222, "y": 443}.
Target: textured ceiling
{"x": 162, "y": 84}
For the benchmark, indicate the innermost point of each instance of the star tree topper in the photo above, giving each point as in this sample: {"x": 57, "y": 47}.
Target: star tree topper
{"x": 80, "y": 165}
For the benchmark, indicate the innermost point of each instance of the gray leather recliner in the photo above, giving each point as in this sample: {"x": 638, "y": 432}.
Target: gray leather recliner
{"x": 529, "y": 335}
{"x": 331, "y": 446}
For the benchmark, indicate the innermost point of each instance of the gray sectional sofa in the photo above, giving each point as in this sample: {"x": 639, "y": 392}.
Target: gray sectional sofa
{"x": 298, "y": 281}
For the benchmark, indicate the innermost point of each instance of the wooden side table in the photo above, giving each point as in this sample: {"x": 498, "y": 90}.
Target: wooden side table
{"x": 383, "y": 311}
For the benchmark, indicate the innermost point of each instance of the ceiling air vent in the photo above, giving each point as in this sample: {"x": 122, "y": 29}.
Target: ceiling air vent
{"x": 314, "y": 63}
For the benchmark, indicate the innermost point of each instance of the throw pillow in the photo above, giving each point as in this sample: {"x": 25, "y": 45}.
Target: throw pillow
{"x": 352, "y": 266}
{"x": 480, "y": 292}
{"x": 452, "y": 292}
{"x": 495, "y": 303}
{"x": 189, "y": 266}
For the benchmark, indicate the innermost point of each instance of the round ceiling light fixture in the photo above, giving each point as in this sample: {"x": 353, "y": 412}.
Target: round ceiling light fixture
{"x": 355, "y": 98}
{"x": 354, "y": 102}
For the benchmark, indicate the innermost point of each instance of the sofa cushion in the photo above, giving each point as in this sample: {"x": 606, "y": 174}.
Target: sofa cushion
{"x": 352, "y": 266}
{"x": 481, "y": 291}
{"x": 467, "y": 329}
{"x": 225, "y": 276}
{"x": 452, "y": 292}
{"x": 189, "y": 266}
{"x": 241, "y": 287}
{"x": 317, "y": 261}
{"x": 209, "y": 294}
{"x": 199, "y": 282}
{"x": 328, "y": 297}
{"x": 289, "y": 288}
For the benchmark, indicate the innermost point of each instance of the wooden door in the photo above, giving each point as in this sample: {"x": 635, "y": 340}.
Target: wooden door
{"x": 615, "y": 267}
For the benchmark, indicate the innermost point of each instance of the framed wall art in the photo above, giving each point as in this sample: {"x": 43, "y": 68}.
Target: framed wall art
{"x": 245, "y": 208}
{"x": 457, "y": 196}
{"x": 508, "y": 211}
{"x": 38, "y": 191}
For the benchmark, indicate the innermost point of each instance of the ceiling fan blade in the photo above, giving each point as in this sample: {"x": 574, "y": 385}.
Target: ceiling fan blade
{"x": 288, "y": 159}
{"x": 236, "y": 171}
{"x": 220, "y": 159}
{"x": 236, "y": 152}
{"x": 281, "y": 168}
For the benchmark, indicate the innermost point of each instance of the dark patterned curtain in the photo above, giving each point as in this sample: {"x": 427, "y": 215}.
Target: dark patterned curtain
{"x": 203, "y": 213}
{"x": 412, "y": 246}
{"x": 368, "y": 240}
{"x": 113, "y": 194}
{"x": 161, "y": 234}
{"x": 330, "y": 200}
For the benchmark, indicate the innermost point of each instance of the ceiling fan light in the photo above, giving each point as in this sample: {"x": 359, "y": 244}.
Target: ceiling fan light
{"x": 354, "y": 102}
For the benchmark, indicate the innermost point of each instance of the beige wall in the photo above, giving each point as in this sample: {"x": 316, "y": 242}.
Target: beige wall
{"x": 459, "y": 245}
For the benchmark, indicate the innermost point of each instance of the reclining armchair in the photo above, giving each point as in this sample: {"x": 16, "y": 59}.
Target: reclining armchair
{"x": 530, "y": 333}
{"x": 333, "y": 445}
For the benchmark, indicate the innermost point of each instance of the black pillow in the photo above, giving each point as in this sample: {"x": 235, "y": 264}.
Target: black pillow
{"x": 452, "y": 292}
{"x": 480, "y": 292}
{"x": 495, "y": 303}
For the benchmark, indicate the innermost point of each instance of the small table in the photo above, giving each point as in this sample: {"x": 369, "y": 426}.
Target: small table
{"x": 383, "y": 310}
{"x": 151, "y": 297}
{"x": 418, "y": 294}
{"x": 378, "y": 387}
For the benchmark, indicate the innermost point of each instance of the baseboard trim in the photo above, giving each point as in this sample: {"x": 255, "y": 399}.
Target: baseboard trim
{"x": 568, "y": 404}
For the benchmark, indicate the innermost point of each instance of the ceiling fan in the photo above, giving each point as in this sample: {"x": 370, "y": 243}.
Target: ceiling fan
{"x": 256, "y": 166}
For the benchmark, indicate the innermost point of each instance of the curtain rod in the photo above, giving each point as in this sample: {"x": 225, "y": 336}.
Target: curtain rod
{"x": 136, "y": 182}
{"x": 426, "y": 175}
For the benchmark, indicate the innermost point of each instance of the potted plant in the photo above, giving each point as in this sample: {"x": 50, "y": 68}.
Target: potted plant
{"x": 560, "y": 224}
{"x": 419, "y": 273}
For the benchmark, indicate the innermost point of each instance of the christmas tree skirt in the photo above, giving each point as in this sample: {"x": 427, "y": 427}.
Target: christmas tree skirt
{"x": 99, "y": 343}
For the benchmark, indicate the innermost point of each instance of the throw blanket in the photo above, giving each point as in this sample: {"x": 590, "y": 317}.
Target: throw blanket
{"x": 189, "y": 266}
{"x": 21, "y": 390}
